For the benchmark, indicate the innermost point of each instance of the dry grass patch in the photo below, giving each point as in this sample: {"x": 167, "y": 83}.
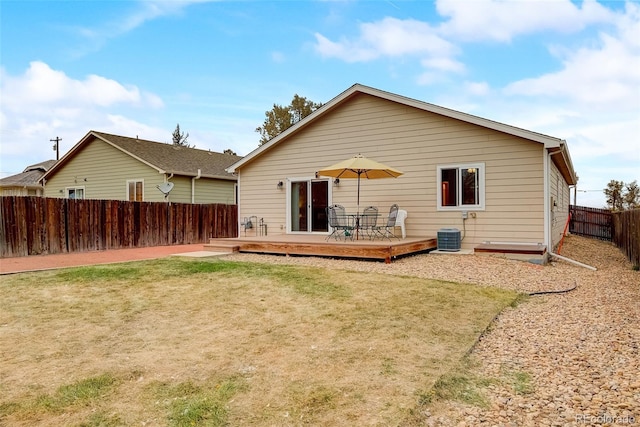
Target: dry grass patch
{"x": 188, "y": 342}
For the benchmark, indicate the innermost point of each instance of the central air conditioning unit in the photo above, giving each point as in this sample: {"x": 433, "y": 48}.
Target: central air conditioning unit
{"x": 449, "y": 239}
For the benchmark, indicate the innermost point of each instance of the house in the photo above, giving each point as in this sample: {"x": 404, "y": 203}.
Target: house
{"x": 492, "y": 181}
{"x": 105, "y": 166}
{"x": 26, "y": 183}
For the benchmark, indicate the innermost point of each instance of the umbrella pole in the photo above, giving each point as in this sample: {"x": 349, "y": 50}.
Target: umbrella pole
{"x": 358, "y": 211}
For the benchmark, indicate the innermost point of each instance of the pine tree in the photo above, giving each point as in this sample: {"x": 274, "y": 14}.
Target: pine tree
{"x": 180, "y": 139}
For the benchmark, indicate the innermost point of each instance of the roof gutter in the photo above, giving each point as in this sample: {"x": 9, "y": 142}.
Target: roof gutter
{"x": 566, "y": 162}
{"x": 193, "y": 186}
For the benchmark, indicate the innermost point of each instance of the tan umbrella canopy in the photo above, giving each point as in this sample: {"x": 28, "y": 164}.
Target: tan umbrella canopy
{"x": 357, "y": 167}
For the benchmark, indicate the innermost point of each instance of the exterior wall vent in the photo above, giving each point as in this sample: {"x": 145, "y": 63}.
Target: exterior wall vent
{"x": 449, "y": 239}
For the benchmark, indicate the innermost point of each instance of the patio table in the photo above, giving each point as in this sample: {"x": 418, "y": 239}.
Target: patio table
{"x": 354, "y": 221}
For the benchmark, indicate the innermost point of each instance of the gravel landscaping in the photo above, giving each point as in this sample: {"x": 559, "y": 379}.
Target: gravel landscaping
{"x": 576, "y": 354}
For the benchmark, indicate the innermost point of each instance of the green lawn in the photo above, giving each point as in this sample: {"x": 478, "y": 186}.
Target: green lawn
{"x": 185, "y": 342}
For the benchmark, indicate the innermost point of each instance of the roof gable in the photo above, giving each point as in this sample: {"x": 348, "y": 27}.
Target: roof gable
{"x": 549, "y": 142}
{"x": 165, "y": 158}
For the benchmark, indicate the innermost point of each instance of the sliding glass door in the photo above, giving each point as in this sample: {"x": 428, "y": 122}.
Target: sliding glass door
{"x": 307, "y": 206}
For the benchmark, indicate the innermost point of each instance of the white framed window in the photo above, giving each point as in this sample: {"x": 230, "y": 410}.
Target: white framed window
{"x": 461, "y": 186}
{"x": 135, "y": 190}
{"x": 74, "y": 192}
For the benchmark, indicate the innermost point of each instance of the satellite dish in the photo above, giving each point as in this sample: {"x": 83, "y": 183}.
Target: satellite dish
{"x": 165, "y": 188}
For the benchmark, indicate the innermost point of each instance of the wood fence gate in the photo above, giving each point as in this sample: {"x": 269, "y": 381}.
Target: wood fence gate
{"x": 591, "y": 222}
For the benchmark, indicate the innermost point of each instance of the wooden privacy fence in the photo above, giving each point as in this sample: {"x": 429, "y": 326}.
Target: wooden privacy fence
{"x": 622, "y": 228}
{"x": 36, "y": 225}
{"x": 591, "y": 222}
{"x": 626, "y": 233}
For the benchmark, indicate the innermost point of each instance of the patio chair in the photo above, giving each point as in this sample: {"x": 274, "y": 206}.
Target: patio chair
{"x": 368, "y": 221}
{"x": 386, "y": 231}
{"x": 249, "y": 223}
{"x": 339, "y": 222}
{"x": 402, "y": 215}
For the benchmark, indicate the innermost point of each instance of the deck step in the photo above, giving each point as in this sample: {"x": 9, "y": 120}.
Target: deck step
{"x": 222, "y": 247}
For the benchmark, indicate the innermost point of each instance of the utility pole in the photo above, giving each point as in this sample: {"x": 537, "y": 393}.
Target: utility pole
{"x": 56, "y": 146}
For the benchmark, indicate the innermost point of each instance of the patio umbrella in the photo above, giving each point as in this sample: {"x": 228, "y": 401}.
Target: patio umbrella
{"x": 357, "y": 167}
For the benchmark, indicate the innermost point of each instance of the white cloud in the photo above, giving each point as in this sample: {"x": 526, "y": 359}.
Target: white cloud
{"x": 121, "y": 125}
{"x": 501, "y": 20}
{"x": 429, "y": 78}
{"x": 593, "y": 101}
{"x": 346, "y": 50}
{"x": 100, "y": 33}
{"x": 395, "y": 38}
{"x": 43, "y": 103}
{"x": 477, "y": 88}
{"x": 389, "y": 37}
{"x": 600, "y": 77}
{"x": 41, "y": 87}
{"x": 443, "y": 64}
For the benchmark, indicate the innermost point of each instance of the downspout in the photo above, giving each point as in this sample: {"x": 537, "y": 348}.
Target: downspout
{"x": 547, "y": 202}
{"x": 166, "y": 179}
{"x": 238, "y": 206}
{"x": 193, "y": 186}
{"x": 547, "y": 199}
{"x": 572, "y": 261}
{"x": 548, "y": 195}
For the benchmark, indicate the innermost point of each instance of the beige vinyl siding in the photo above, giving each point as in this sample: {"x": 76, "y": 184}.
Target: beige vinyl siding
{"x": 21, "y": 191}
{"x": 415, "y": 142}
{"x": 104, "y": 172}
{"x": 560, "y": 193}
{"x": 207, "y": 190}
{"x": 218, "y": 191}
{"x": 181, "y": 192}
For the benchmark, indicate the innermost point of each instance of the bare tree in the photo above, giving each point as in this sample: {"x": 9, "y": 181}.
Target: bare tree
{"x": 631, "y": 196}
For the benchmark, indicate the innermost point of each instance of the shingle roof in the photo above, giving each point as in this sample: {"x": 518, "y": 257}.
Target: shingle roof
{"x": 173, "y": 159}
{"x": 29, "y": 177}
{"x": 43, "y": 166}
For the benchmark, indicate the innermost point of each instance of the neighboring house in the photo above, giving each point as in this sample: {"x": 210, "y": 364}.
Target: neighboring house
{"x": 104, "y": 166}
{"x": 511, "y": 184}
{"x": 26, "y": 183}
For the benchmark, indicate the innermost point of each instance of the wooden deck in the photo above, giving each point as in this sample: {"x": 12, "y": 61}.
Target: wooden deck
{"x": 317, "y": 245}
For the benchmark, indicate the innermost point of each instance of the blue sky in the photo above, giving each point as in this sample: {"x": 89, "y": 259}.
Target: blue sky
{"x": 569, "y": 69}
